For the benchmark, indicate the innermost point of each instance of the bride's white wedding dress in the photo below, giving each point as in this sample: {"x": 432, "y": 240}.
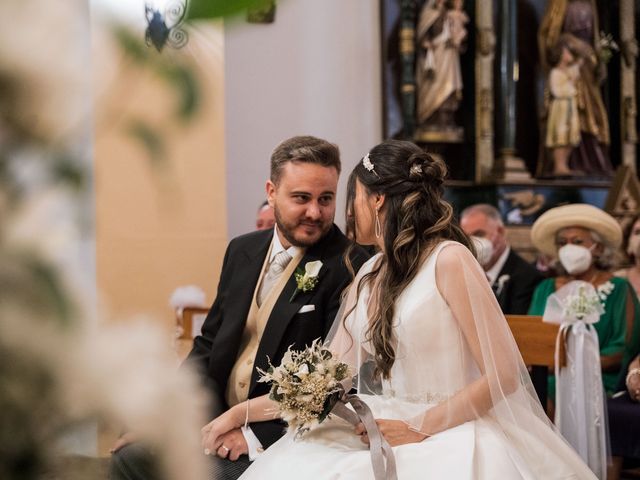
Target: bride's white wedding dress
{"x": 453, "y": 352}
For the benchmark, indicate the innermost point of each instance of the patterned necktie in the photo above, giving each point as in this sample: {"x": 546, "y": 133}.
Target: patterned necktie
{"x": 276, "y": 267}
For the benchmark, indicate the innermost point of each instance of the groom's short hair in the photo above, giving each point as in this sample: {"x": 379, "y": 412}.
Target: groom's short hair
{"x": 304, "y": 149}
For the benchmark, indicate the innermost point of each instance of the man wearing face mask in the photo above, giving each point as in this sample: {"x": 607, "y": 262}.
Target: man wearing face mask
{"x": 512, "y": 279}
{"x": 584, "y": 239}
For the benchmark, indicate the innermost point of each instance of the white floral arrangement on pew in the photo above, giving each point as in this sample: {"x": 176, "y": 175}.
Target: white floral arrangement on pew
{"x": 580, "y": 398}
{"x": 306, "y": 386}
{"x": 582, "y": 303}
{"x": 577, "y": 301}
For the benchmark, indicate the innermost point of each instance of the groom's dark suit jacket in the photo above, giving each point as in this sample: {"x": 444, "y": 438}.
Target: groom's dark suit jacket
{"x": 515, "y": 295}
{"x": 216, "y": 350}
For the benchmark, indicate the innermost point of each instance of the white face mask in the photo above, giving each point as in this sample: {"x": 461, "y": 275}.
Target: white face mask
{"x": 484, "y": 250}
{"x": 575, "y": 259}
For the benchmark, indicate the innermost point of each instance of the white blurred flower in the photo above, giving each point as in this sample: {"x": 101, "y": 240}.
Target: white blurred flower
{"x": 188, "y": 296}
{"x": 303, "y": 371}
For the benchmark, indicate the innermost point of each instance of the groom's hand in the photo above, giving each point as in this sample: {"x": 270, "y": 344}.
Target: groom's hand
{"x": 236, "y": 444}
{"x": 396, "y": 432}
{"x": 213, "y": 433}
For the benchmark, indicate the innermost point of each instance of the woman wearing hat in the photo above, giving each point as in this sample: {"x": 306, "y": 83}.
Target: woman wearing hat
{"x": 584, "y": 239}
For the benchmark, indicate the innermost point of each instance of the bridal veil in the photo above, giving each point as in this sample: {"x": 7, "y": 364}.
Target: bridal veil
{"x": 456, "y": 360}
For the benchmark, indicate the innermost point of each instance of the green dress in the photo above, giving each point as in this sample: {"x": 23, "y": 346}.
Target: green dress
{"x": 611, "y": 329}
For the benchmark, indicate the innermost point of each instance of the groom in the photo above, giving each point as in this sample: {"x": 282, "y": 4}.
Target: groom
{"x": 259, "y": 311}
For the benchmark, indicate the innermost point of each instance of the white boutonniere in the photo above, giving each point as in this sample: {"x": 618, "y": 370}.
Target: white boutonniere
{"x": 502, "y": 279}
{"x": 307, "y": 280}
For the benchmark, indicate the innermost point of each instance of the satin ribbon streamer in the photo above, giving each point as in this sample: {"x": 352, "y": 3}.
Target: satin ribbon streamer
{"x": 382, "y": 459}
{"x": 580, "y": 416}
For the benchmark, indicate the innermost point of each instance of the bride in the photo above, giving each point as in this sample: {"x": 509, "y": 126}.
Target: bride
{"x": 436, "y": 361}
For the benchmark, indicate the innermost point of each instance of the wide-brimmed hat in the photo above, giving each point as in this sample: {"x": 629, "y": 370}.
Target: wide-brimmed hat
{"x": 543, "y": 233}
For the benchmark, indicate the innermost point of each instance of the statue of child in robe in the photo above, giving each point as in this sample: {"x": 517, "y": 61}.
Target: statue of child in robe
{"x": 563, "y": 124}
{"x": 576, "y": 22}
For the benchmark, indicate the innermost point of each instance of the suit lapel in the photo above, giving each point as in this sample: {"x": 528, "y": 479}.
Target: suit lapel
{"x": 251, "y": 273}
{"x": 284, "y": 310}
{"x": 248, "y": 266}
{"x": 507, "y": 269}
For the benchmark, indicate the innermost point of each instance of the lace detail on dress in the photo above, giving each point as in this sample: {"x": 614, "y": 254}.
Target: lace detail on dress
{"x": 429, "y": 398}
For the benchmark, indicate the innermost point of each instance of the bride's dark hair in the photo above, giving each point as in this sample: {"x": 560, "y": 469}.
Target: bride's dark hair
{"x": 416, "y": 219}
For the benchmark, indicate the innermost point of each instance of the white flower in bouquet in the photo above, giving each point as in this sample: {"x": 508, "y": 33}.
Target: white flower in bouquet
{"x": 303, "y": 371}
{"x": 305, "y": 385}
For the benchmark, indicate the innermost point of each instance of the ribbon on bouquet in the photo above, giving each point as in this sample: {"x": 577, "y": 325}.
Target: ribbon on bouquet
{"x": 580, "y": 403}
{"x": 382, "y": 458}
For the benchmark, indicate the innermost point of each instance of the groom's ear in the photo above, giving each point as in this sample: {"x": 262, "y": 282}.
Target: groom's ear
{"x": 271, "y": 192}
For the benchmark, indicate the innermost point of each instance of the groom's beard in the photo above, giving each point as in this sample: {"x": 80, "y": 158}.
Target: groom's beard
{"x": 303, "y": 232}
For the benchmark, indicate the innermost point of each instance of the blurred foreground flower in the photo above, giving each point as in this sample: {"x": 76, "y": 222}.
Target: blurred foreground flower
{"x": 55, "y": 378}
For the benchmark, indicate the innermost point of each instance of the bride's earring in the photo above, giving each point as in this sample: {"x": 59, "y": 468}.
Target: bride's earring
{"x": 378, "y": 227}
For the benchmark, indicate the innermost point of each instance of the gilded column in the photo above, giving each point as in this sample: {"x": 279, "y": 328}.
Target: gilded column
{"x": 408, "y": 58}
{"x": 629, "y": 51}
{"x": 508, "y": 167}
{"x": 484, "y": 57}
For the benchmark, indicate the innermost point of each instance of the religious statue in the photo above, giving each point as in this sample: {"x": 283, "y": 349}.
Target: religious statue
{"x": 563, "y": 125}
{"x": 440, "y": 37}
{"x": 570, "y": 29}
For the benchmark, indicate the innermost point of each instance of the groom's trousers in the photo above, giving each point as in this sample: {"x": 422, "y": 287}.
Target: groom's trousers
{"x": 135, "y": 462}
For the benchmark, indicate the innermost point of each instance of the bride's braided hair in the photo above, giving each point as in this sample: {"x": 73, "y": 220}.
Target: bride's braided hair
{"x": 416, "y": 219}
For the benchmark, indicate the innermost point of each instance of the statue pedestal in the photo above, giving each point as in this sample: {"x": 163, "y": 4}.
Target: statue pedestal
{"x": 509, "y": 168}
{"x": 452, "y": 135}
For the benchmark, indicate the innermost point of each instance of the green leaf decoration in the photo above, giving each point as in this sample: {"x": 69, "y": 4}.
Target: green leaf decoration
{"x": 149, "y": 139}
{"x": 69, "y": 171}
{"x": 209, "y": 9}
{"x": 30, "y": 283}
{"x": 186, "y": 87}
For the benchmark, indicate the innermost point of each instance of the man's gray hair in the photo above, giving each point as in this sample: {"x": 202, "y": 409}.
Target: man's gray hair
{"x": 489, "y": 210}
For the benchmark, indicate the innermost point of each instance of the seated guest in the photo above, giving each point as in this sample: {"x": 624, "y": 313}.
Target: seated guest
{"x": 584, "y": 239}
{"x": 624, "y": 422}
{"x": 632, "y": 247}
{"x": 632, "y": 380}
{"x": 512, "y": 279}
{"x": 265, "y": 219}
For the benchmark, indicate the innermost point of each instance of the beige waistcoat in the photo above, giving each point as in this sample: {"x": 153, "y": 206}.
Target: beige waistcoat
{"x": 240, "y": 377}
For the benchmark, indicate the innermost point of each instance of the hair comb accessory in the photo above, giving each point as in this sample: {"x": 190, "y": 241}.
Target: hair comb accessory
{"x": 415, "y": 170}
{"x": 366, "y": 162}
